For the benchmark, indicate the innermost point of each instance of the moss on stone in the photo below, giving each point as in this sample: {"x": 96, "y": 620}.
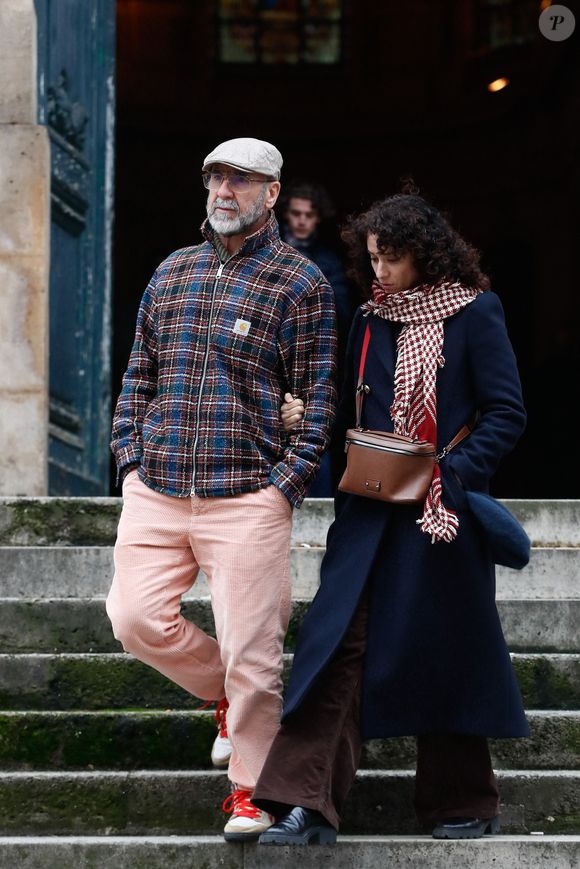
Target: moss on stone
{"x": 58, "y": 521}
{"x": 93, "y": 683}
{"x": 569, "y": 824}
{"x": 120, "y": 739}
{"x": 62, "y": 806}
{"x": 26, "y": 745}
{"x": 102, "y": 681}
{"x": 545, "y": 686}
{"x": 113, "y": 741}
{"x": 81, "y": 626}
{"x": 554, "y": 743}
{"x": 299, "y": 609}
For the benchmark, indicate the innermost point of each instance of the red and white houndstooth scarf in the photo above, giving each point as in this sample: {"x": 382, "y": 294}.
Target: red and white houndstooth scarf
{"x": 422, "y": 310}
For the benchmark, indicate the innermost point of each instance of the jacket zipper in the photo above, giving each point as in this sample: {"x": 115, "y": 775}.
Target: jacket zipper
{"x": 388, "y": 449}
{"x": 203, "y": 374}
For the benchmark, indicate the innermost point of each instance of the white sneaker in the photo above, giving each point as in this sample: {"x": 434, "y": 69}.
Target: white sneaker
{"x": 248, "y": 822}
{"x": 222, "y": 748}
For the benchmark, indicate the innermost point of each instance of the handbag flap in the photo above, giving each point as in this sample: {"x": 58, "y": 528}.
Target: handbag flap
{"x": 385, "y": 439}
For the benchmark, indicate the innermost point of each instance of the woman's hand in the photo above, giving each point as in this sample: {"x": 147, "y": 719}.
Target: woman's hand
{"x": 291, "y": 412}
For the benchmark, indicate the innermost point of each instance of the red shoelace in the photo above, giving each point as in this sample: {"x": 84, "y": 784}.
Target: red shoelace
{"x": 221, "y": 719}
{"x": 240, "y": 804}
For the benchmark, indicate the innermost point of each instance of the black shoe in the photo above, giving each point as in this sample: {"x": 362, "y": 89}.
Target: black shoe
{"x": 300, "y": 827}
{"x": 465, "y": 828}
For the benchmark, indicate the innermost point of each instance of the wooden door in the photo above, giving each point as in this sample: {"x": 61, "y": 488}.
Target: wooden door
{"x": 76, "y": 102}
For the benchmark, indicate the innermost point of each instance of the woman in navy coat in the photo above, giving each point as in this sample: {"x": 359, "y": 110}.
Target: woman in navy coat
{"x": 403, "y": 636}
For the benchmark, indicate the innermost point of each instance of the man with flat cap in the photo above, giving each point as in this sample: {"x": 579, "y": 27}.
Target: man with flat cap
{"x": 225, "y": 330}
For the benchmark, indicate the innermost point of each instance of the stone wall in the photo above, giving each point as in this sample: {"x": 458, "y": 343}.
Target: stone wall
{"x": 24, "y": 259}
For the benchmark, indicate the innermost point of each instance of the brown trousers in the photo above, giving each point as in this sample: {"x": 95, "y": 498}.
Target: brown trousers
{"x": 315, "y": 755}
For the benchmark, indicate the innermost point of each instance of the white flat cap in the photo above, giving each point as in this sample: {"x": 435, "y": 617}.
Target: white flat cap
{"x": 249, "y": 155}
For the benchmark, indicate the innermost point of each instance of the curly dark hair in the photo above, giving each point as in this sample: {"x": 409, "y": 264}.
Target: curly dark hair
{"x": 407, "y": 223}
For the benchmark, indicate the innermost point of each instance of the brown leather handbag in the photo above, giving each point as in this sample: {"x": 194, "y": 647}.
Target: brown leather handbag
{"x": 384, "y": 465}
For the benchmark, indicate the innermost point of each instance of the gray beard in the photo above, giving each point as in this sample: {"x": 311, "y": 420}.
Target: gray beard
{"x": 227, "y": 226}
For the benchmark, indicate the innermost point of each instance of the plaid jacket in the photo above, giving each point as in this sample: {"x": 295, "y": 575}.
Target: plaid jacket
{"x": 216, "y": 347}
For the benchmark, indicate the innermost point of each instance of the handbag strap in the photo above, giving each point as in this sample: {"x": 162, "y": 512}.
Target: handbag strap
{"x": 363, "y": 389}
{"x": 463, "y": 432}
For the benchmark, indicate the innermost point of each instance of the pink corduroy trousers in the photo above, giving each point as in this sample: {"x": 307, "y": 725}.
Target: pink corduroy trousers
{"x": 242, "y": 543}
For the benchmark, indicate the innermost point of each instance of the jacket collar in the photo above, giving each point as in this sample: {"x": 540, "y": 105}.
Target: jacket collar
{"x": 267, "y": 235}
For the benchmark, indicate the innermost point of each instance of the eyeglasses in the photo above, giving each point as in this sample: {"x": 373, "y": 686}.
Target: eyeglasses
{"x": 237, "y": 183}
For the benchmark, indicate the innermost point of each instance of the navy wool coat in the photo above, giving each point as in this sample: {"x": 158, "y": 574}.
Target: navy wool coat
{"x": 436, "y": 659}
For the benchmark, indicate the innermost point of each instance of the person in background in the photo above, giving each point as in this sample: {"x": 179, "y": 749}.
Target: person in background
{"x": 307, "y": 211}
{"x": 224, "y": 330}
{"x": 403, "y": 636}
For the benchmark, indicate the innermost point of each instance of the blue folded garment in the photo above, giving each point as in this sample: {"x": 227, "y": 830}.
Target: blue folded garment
{"x": 508, "y": 542}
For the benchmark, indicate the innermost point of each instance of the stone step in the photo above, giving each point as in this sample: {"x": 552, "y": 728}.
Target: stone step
{"x": 110, "y": 681}
{"x": 350, "y": 852}
{"x": 81, "y": 625}
{"x": 93, "y": 521}
{"x": 180, "y": 802}
{"x": 167, "y": 740}
{"x": 86, "y": 571}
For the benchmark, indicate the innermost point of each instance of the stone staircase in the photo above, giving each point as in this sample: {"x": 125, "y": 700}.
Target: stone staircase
{"x": 105, "y": 763}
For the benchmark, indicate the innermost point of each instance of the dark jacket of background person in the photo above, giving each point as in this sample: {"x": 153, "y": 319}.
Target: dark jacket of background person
{"x": 325, "y": 482}
{"x": 436, "y": 658}
{"x": 332, "y": 268}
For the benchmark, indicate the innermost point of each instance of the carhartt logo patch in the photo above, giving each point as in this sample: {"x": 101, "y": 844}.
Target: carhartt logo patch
{"x": 241, "y": 327}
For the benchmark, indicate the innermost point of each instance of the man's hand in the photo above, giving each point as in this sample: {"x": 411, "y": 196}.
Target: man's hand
{"x": 291, "y": 411}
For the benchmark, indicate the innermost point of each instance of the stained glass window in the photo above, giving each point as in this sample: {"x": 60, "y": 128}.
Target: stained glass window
{"x": 279, "y": 31}
{"x": 506, "y": 22}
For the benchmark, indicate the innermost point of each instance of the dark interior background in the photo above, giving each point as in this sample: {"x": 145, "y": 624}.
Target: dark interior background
{"x": 409, "y": 97}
